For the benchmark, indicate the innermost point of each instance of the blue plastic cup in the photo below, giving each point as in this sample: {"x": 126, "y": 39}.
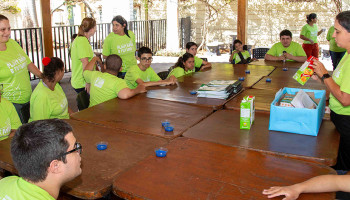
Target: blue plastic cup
{"x": 161, "y": 151}
{"x": 102, "y": 145}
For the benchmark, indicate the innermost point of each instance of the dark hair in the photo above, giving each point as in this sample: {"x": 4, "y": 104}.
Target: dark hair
{"x": 143, "y": 50}
{"x": 3, "y": 17}
{"x": 190, "y": 44}
{"x": 52, "y": 68}
{"x": 344, "y": 19}
{"x": 182, "y": 59}
{"x": 310, "y": 17}
{"x": 86, "y": 25}
{"x": 122, "y": 21}
{"x": 74, "y": 36}
{"x": 235, "y": 42}
{"x": 113, "y": 63}
{"x": 285, "y": 32}
{"x": 38, "y": 143}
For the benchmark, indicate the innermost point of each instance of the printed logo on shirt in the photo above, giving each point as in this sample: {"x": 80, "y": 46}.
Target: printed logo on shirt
{"x": 314, "y": 33}
{"x": 6, "y": 129}
{"x": 99, "y": 82}
{"x": 64, "y": 104}
{"x": 17, "y": 64}
{"x": 124, "y": 48}
{"x": 14, "y": 94}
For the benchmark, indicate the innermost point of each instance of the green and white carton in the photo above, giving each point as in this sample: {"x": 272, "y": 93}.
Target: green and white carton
{"x": 247, "y": 112}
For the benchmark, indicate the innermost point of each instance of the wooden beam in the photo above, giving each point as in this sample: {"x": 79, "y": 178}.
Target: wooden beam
{"x": 46, "y": 28}
{"x": 242, "y": 20}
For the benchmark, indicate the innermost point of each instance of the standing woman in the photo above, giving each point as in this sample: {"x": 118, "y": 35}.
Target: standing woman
{"x": 339, "y": 86}
{"x": 199, "y": 64}
{"x": 14, "y": 67}
{"x": 122, "y": 43}
{"x": 309, "y": 34}
{"x": 82, "y": 53}
{"x": 48, "y": 100}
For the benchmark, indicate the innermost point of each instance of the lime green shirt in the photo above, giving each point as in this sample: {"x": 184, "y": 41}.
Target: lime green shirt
{"x": 14, "y": 73}
{"x": 48, "y": 104}
{"x": 341, "y": 77}
{"x": 8, "y": 118}
{"x": 309, "y": 32}
{"x": 179, "y": 71}
{"x": 14, "y": 187}
{"x": 236, "y": 59}
{"x": 81, "y": 48}
{"x": 104, "y": 86}
{"x": 135, "y": 73}
{"x": 332, "y": 44}
{"x": 197, "y": 62}
{"x": 123, "y": 46}
{"x": 294, "y": 49}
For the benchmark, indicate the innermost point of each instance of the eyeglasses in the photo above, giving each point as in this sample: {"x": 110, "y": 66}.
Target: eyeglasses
{"x": 78, "y": 148}
{"x": 147, "y": 59}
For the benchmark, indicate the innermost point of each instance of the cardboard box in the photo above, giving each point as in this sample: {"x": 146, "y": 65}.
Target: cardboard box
{"x": 297, "y": 120}
{"x": 247, "y": 113}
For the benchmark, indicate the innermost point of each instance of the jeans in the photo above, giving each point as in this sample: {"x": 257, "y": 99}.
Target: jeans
{"x": 336, "y": 57}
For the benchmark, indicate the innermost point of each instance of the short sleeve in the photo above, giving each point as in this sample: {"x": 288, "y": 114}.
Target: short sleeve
{"x": 106, "y": 49}
{"x": 87, "y": 75}
{"x": 15, "y": 121}
{"x": 40, "y": 108}
{"x": 273, "y": 50}
{"x": 303, "y": 30}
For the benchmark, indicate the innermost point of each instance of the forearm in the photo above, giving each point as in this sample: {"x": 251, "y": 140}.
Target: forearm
{"x": 334, "y": 88}
{"x": 90, "y": 65}
{"x": 298, "y": 58}
{"x": 127, "y": 93}
{"x": 305, "y": 38}
{"x": 205, "y": 65}
{"x": 33, "y": 69}
{"x": 325, "y": 183}
{"x": 155, "y": 83}
{"x": 270, "y": 57}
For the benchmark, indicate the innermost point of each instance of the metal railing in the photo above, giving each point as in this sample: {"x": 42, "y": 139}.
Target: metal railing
{"x": 151, "y": 33}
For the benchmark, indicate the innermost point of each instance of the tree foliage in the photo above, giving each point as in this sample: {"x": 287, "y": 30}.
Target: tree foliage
{"x": 9, "y": 6}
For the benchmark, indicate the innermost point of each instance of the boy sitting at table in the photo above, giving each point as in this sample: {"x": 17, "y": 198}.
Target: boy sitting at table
{"x": 143, "y": 73}
{"x": 106, "y": 85}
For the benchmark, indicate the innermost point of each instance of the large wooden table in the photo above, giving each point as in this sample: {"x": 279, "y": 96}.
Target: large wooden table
{"x": 196, "y": 169}
{"x": 181, "y": 91}
{"x": 99, "y": 168}
{"x": 223, "y": 127}
{"x": 279, "y": 64}
{"x": 144, "y": 115}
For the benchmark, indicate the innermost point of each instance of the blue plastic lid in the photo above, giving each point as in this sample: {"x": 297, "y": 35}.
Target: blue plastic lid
{"x": 161, "y": 151}
{"x": 165, "y": 123}
{"x": 193, "y": 92}
{"x": 169, "y": 128}
{"x": 241, "y": 78}
{"x": 247, "y": 71}
{"x": 285, "y": 69}
{"x": 268, "y": 80}
{"x": 101, "y": 145}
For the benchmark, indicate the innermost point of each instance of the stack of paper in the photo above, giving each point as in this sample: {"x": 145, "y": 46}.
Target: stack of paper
{"x": 219, "y": 89}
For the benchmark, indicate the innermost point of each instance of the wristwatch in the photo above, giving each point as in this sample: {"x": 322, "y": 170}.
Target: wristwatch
{"x": 325, "y": 76}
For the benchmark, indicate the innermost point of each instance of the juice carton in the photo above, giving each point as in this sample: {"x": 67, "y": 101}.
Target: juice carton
{"x": 305, "y": 71}
{"x": 247, "y": 112}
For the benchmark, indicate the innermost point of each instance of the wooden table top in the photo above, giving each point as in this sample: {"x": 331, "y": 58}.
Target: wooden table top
{"x": 281, "y": 82}
{"x": 144, "y": 115}
{"x": 223, "y": 127}
{"x": 219, "y": 71}
{"x": 280, "y": 64}
{"x": 263, "y": 99}
{"x": 196, "y": 169}
{"x": 99, "y": 168}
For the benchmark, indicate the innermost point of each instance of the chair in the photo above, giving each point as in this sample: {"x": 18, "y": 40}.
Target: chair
{"x": 163, "y": 75}
{"x": 83, "y": 100}
{"x": 260, "y": 52}
{"x": 25, "y": 111}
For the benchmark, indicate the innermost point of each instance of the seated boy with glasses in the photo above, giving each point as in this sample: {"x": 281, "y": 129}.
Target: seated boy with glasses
{"x": 46, "y": 156}
{"x": 106, "y": 85}
{"x": 143, "y": 73}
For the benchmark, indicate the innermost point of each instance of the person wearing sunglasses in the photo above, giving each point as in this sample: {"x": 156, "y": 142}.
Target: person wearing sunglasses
{"x": 46, "y": 155}
{"x": 143, "y": 73}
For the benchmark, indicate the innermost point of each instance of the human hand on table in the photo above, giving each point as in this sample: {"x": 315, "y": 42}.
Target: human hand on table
{"x": 290, "y": 192}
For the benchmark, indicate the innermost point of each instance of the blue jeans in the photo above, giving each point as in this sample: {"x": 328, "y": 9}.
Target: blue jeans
{"x": 336, "y": 57}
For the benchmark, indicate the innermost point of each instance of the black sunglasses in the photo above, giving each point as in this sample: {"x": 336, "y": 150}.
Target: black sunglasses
{"x": 78, "y": 148}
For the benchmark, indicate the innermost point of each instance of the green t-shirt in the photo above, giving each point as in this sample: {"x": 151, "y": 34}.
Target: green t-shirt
{"x": 179, "y": 71}
{"x": 332, "y": 44}
{"x": 8, "y": 118}
{"x": 48, "y": 104}
{"x": 309, "y": 32}
{"x": 341, "y": 77}
{"x": 135, "y": 73}
{"x": 104, "y": 86}
{"x": 81, "y": 48}
{"x": 198, "y": 62}
{"x": 236, "y": 59}
{"x": 294, "y": 48}
{"x": 123, "y": 46}
{"x": 14, "y": 187}
{"x": 14, "y": 73}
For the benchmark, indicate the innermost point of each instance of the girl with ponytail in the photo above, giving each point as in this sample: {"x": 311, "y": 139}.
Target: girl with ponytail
{"x": 122, "y": 43}
{"x": 184, "y": 65}
{"x": 309, "y": 34}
